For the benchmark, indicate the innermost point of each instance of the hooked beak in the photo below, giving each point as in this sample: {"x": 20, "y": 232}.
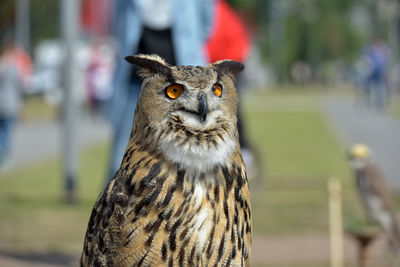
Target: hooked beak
{"x": 203, "y": 109}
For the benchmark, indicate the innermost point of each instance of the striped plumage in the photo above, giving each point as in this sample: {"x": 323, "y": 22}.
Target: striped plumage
{"x": 374, "y": 193}
{"x": 180, "y": 197}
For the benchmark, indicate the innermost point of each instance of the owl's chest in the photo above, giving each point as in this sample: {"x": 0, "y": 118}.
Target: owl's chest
{"x": 200, "y": 224}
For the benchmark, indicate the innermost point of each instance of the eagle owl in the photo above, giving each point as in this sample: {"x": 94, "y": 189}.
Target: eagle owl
{"x": 180, "y": 197}
{"x": 374, "y": 193}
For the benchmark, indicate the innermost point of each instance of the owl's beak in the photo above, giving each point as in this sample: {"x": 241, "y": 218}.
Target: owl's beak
{"x": 203, "y": 109}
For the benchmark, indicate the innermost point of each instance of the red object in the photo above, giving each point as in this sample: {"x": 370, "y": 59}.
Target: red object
{"x": 229, "y": 38}
{"x": 95, "y": 17}
{"x": 23, "y": 65}
{"x": 23, "y": 62}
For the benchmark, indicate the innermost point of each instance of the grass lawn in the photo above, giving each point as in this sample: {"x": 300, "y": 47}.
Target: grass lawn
{"x": 299, "y": 153}
{"x": 34, "y": 214}
{"x": 394, "y": 107}
{"x": 36, "y": 108}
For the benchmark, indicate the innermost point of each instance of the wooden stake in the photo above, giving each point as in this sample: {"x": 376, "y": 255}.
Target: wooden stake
{"x": 335, "y": 222}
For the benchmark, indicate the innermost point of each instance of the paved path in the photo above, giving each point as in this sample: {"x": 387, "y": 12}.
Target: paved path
{"x": 381, "y": 132}
{"x": 36, "y": 141}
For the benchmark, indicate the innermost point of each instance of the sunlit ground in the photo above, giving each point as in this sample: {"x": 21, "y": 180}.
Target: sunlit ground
{"x": 395, "y": 106}
{"x": 299, "y": 153}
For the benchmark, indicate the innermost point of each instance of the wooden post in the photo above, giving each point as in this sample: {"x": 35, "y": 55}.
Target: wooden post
{"x": 335, "y": 222}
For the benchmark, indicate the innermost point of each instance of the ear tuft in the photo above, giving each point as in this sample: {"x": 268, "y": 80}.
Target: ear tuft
{"x": 149, "y": 65}
{"x": 225, "y": 67}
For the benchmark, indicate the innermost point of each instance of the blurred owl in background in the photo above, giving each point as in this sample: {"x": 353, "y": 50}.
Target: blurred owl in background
{"x": 180, "y": 197}
{"x": 374, "y": 193}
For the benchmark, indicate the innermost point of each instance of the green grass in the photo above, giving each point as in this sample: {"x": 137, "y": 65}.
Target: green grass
{"x": 299, "y": 153}
{"x": 35, "y": 216}
{"x": 394, "y": 107}
{"x": 35, "y": 108}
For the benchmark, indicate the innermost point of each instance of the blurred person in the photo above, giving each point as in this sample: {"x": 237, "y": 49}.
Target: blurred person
{"x": 11, "y": 85}
{"x": 376, "y": 60}
{"x": 230, "y": 40}
{"x": 24, "y": 66}
{"x": 99, "y": 76}
{"x": 229, "y": 37}
{"x": 22, "y": 61}
{"x": 175, "y": 30}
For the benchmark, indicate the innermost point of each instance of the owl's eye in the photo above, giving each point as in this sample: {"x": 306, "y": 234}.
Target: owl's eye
{"x": 173, "y": 91}
{"x": 217, "y": 89}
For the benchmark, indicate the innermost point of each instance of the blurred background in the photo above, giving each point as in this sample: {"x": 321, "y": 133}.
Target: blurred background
{"x": 320, "y": 76}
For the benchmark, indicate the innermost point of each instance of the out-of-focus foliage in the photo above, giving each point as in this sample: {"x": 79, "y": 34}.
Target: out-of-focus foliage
{"x": 320, "y": 30}
{"x": 44, "y": 21}
{"x": 6, "y": 16}
{"x": 313, "y": 31}
{"x": 287, "y": 31}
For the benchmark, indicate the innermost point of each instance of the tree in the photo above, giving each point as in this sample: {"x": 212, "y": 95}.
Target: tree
{"x": 309, "y": 30}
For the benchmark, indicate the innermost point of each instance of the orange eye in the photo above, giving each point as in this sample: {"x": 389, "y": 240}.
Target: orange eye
{"x": 217, "y": 89}
{"x": 173, "y": 91}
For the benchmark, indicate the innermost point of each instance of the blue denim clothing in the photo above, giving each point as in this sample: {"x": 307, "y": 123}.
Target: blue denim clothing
{"x": 6, "y": 125}
{"x": 191, "y": 26}
{"x": 374, "y": 82}
{"x": 376, "y": 91}
{"x": 122, "y": 130}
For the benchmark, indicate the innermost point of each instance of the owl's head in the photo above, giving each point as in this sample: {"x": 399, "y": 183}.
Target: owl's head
{"x": 188, "y": 113}
{"x": 359, "y": 156}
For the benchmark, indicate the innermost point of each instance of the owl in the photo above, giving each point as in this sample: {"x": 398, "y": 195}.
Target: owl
{"x": 374, "y": 193}
{"x": 180, "y": 197}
